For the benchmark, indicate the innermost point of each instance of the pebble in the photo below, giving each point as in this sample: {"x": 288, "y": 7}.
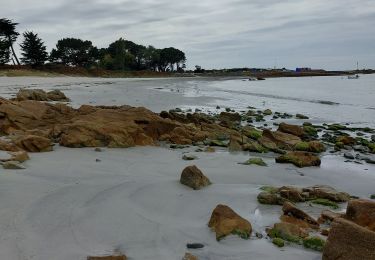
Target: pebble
{"x": 194, "y": 245}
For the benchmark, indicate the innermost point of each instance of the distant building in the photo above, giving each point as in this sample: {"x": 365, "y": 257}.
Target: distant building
{"x": 303, "y": 69}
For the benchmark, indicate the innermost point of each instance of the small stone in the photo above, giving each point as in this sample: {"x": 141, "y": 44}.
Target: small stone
{"x": 278, "y": 242}
{"x": 349, "y": 156}
{"x": 98, "y": 149}
{"x": 194, "y": 245}
{"x": 112, "y": 257}
{"x": 189, "y": 157}
{"x": 98, "y": 160}
{"x": 189, "y": 256}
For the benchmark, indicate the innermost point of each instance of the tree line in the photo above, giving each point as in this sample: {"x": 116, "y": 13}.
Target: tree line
{"x": 119, "y": 55}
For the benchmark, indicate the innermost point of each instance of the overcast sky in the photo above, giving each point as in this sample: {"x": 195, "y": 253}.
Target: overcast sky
{"x": 330, "y": 34}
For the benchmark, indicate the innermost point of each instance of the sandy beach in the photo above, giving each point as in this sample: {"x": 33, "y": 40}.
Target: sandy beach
{"x": 75, "y": 202}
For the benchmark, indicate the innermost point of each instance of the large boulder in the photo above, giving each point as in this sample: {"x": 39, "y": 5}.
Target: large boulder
{"x": 270, "y": 198}
{"x": 230, "y": 117}
{"x": 349, "y": 241}
{"x": 224, "y": 221}
{"x": 57, "y": 95}
{"x": 299, "y": 159}
{"x": 362, "y": 212}
{"x": 192, "y": 177}
{"x": 35, "y": 144}
{"x": 291, "y": 129}
{"x": 287, "y": 231}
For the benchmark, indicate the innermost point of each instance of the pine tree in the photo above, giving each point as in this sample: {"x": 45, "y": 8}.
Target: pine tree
{"x": 33, "y": 49}
{"x": 4, "y": 52}
{"x": 8, "y": 31}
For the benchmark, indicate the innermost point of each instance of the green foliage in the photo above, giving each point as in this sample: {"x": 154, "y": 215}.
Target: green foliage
{"x": 315, "y": 243}
{"x": 371, "y": 146}
{"x": 310, "y": 130}
{"x": 4, "y": 52}
{"x": 278, "y": 242}
{"x": 33, "y": 49}
{"x": 9, "y": 34}
{"x": 372, "y": 196}
{"x": 74, "y": 52}
{"x": 254, "y": 134}
{"x": 326, "y": 202}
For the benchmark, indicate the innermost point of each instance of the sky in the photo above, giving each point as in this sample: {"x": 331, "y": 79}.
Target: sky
{"x": 328, "y": 34}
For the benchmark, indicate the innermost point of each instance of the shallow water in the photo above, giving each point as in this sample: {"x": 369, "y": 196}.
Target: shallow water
{"x": 323, "y": 99}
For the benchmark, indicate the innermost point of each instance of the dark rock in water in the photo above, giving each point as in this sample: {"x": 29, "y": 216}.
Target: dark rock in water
{"x": 371, "y": 161}
{"x": 192, "y": 177}
{"x": 290, "y": 210}
{"x": 194, "y": 245}
{"x": 300, "y": 116}
{"x": 189, "y": 157}
{"x": 349, "y": 156}
{"x": 299, "y": 159}
{"x": 373, "y": 138}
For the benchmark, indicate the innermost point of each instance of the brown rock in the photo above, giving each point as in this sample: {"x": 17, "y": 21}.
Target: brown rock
{"x": 299, "y": 159}
{"x": 316, "y": 147}
{"x": 349, "y": 241}
{"x": 291, "y": 193}
{"x": 32, "y": 94}
{"x": 295, "y": 221}
{"x": 272, "y": 140}
{"x": 235, "y": 144}
{"x": 231, "y": 117}
{"x": 327, "y": 192}
{"x": 57, "y": 95}
{"x": 290, "y": 210}
{"x": 291, "y": 129}
{"x": 346, "y": 140}
{"x": 192, "y": 177}
{"x": 33, "y": 143}
{"x": 189, "y": 256}
{"x": 285, "y": 230}
{"x": 361, "y": 212}
{"x": 113, "y": 257}
{"x": 329, "y": 216}
{"x": 20, "y": 156}
{"x": 225, "y": 221}
{"x": 270, "y": 198}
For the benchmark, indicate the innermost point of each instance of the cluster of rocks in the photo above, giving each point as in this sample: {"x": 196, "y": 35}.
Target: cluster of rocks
{"x": 41, "y": 95}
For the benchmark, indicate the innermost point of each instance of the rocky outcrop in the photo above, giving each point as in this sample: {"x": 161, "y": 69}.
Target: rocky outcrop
{"x": 291, "y": 129}
{"x": 299, "y": 159}
{"x": 349, "y": 241}
{"x": 224, "y": 221}
{"x": 278, "y": 140}
{"x": 362, "y": 212}
{"x": 34, "y": 143}
{"x": 41, "y": 95}
{"x": 192, "y": 177}
{"x": 326, "y": 192}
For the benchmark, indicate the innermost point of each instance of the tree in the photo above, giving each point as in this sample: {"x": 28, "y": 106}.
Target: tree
{"x": 9, "y": 33}
{"x": 4, "y": 52}
{"x": 33, "y": 49}
{"x": 74, "y": 52}
{"x": 170, "y": 57}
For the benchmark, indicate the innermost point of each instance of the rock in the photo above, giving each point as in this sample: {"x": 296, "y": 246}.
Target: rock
{"x": 314, "y": 243}
{"x": 267, "y": 112}
{"x": 362, "y": 212}
{"x": 255, "y": 161}
{"x": 291, "y": 210}
{"x": 346, "y": 140}
{"x": 189, "y": 157}
{"x": 32, "y": 94}
{"x": 373, "y": 138}
{"x": 291, "y": 129}
{"x": 299, "y": 159}
{"x": 192, "y": 177}
{"x": 224, "y": 221}
{"x": 234, "y": 145}
{"x": 19, "y": 156}
{"x": 278, "y": 242}
{"x": 251, "y": 132}
{"x": 13, "y": 165}
{"x": 329, "y": 216}
{"x": 316, "y": 147}
{"x": 209, "y": 149}
{"x": 253, "y": 146}
{"x": 112, "y": 257}
{"x": 310, "y": 131}
{"x": 349, "y": 156}
{"x": 325, "y": 202}
{"x": 326, "y": 192}
{"x": 291, "y": 193}
{"x": 98, "y": 149}
{"x": 287, "y": 231}
{"x": 189, "y": 256}
{"x": 231, "y": 117}
{"x": 270, "y": 198}
{"x": 57, "y": 95}
{"x": 301, "y": 116}
{"x": 272, "y": 140}
{"x": 349, "y": 241}
{"x": 295, "y": 221}
{"x": 33, "y": 143}
{"x": 194, "y": 245}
